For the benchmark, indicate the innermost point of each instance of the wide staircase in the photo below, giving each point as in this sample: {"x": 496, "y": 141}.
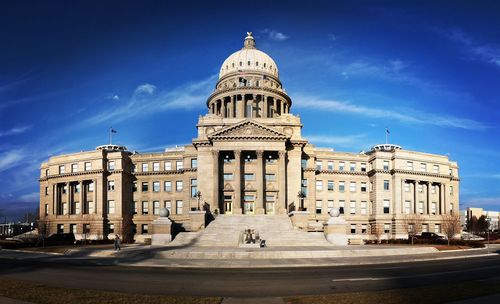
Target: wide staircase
{"x": 226, "y": 231}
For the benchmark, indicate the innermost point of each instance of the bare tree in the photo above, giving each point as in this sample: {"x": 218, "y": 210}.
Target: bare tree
{"x": 43, "y": 230}
{"x": 450, "y": 224}
{"x": 412, "y": 224}
{"x": 377, "y": 231}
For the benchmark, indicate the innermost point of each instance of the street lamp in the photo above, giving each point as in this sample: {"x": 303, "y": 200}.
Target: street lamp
{"x": 301, "y": 196}
{"x": 198, "y": 195}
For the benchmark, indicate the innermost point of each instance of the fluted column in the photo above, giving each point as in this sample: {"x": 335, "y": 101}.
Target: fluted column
{"x": 81, "y": 196}
{"x": 237, "y": 183}
{"x": 241, "y": 107}
{"x": 260, "y": 208}
{"x": 223, "y": 107}
{"x": 94, "y": 181}
{"x": 443, "y": 199}
{"x": 282, "y": 181}
{"x": 68, "y": 198}
{"x": 275, "y": 107}
{"x": 255, "y": 106}
{"x": 264, "y": 106}
{"x": 427, "y": 208}
{"x": 415, "y": 196}
{"x": 215, "y": 199}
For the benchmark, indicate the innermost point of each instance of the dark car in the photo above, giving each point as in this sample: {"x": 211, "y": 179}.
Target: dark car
{"x": 429, "y": 236}
{"x": 60, "y": 239}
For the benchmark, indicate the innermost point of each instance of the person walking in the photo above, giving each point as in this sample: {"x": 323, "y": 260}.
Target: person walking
{"x": 117, "y": 243}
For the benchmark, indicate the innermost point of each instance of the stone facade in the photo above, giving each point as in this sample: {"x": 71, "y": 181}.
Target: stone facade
{"x": 249, "y": 157}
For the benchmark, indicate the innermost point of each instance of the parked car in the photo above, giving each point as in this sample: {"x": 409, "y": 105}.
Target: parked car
{"x": 60, "y": 239}
{"x": 471, "y": 237}
{"x": 430, "y": 236}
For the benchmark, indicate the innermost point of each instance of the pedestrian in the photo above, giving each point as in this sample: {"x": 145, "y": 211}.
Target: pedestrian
{"x": 117, "y": 243}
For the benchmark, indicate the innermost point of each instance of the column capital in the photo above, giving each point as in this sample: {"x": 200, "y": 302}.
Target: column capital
{"x": 215, "y": 153}
{"x": 260, "y": 153}
{"x": 281, "y": 153}
{"x": 237, "y": 153}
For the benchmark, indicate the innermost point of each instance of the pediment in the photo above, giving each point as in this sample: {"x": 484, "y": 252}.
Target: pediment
{"x": 248, "y": 130}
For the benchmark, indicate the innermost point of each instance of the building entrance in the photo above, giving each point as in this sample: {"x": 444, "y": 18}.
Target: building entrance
{"x": 270, "y": 208}
{"x": 228, "y": 204}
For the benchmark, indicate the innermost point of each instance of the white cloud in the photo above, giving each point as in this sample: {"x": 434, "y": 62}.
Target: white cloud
{"x": 274, "y": 35}
{"x": 9, "y": 159}
{"x": 15, "y": 131}
{"x": 481, "y": 202}
{"x": 145, "y": 89}
{"x": 30, "y": 197}
{"x": 405, "y": 116}
{"x": 346, "y": 141}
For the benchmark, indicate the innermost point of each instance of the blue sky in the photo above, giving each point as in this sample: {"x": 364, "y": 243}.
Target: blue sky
{"x": 427, "y": 70}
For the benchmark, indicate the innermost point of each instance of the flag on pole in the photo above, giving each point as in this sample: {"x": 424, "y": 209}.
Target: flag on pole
{"x": 387, "y": 131}
{"x": 113, "y": 130}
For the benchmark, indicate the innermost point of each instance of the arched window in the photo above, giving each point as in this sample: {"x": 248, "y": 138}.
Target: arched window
{"x": 233, "y": 64}
{"x": 264, "y": 64}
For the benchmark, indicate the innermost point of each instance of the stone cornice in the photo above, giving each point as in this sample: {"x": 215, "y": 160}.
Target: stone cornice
{"x": 426, "y": 174}
{"x": 168, "y": 172}
{"x": 81, "y": 173}
{"x": 247, "y": 130}
{"x": 336, "y": 172}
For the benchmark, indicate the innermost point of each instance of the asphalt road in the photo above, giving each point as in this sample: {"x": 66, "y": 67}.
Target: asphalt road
{"x": 253, "y": 282}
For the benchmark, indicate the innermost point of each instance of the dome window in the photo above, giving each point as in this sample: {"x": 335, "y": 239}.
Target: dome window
{"x": 256, "y": 63}
{"x": 248, "y": 62}
{"x": 241, "y": 63}
{"x": 264, "y": 64}
{"x": 233, "y": 64}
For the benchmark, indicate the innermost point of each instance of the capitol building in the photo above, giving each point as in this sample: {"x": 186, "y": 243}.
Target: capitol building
{"x": 248, "y": 159}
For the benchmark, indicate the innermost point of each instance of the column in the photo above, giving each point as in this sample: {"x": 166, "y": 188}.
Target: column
{"x": 215, "y": 199}
{"x": 415, "y": 196}
{"x": 81, "y": 197}
{"x": 255, "y": 106}
{"x": 54, "y": 199}
{"x": 275, "y": 107}
{"x": 282, "y": 179}
{"x": 231, "y": 102}
{"x": 68, "y": 198}
{"x": 237, "y": 183}
{"x": 212, "y": 108}
{"x": 443, "y": 200}
{"x": 427, "y": 204}
{"x": 260, "y": 202}
{"x": 241, "y": 107}
{"x": 264, "y": 106}
{"x": 95, "y": 195}
{"x": 402, "y": 203}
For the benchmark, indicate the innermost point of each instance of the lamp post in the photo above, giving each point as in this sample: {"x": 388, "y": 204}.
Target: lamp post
{"x": 301, "y": 196}
{"x": 198, "y": 196}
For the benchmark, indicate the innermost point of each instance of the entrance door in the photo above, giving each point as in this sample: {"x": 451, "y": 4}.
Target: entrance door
{"x": 228, "y": 204}
{"x": 249, "y": 206}
{"x": 269, "y": 207}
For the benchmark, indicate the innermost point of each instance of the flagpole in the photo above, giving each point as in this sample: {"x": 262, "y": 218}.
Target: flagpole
{"x": 110, "y": 136}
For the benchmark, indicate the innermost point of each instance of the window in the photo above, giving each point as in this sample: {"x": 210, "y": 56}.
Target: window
{"x": 341, "y": 166}
{"x": 46, "y": 172}
{"x": 270, "y": 177}
{"x": 435, "y": 169}
{"x": 352, "y": 186}
{"x": 451, "y": 190}
{"x": 61, "y": 169}
{"x": 228, "y": 176}
{"x": 111, "y": 228}
{"x": 86, "y": 228}
{"x": 111, "y": 207}
{"x": 407, "y": 207}
{"x": 341, "y": 186}
{"x": 421, "y": 207}
{"x": 437, "y": 228}
{"x": 134, "y": 186}
{"x": 88, "y": 166}
{"x": 409, "y": 165}
{"x": 156, "y": 166}
{"x": 353, "y": 228}
{"x": 72, "y": 228}
{"x": 330, "y": 204}
{"x": 145, "y": 167}
{"x": 420, "y": 188}
{"x": 319, "y": 165}
{"x": 46, "y": 190}
{"x": 179, "y": 206}
{"x": 168, "y": 165}
{"x": 134, "y": 168}
{"x": 303, "y": 163}
{"x": 387, "y": 228}
{"x": 65, "y": 189}
{"x": 134, "y": 207}
{"x": 433, "y": 189}
{"x": 179, "y": 165}
{"x": 319, "y": 205}
{"x": 425, "y": 227}
{"x": 111, "y": 165}
{"x": 352, "y": 167}
{"x": 46, "y": 209}
{"x": 91, "y": 207}
{"x": 178, "y": 186}
{"x": 407, "y": 187}
{"x": 156, "y": 186}
{"x": 386, "y": 206}
{"x": 363, "y": 187}
{"x": 423, "y": 167}
{"x": 74, "y": 168}
{"x": 168, "y": 186}
{"x": 330, "y": 165}
{"x": 341, "y": 206}
{"x": 352, "y": 209}
{"x": 156, "y": 207}
{"x": 194, "y": 163}
{"x": 451, "y": 208}
{"x": 330, "y": 185}
{"x": 450, "y": 171}
{"x": 386, "y": 185}
{"x": 145, "y": 207}
{"x": 363, "y": 228}
{"x": 145, "y": 187}
{"x": 194, "y": 187}
{"x": 249, "y": 176}
{"x": 363, "y": 167}
{"x": 386, "y": 165}
{"x": 77, "y": 209}
{"x": 144, "y": 229}
{"x": 433, "y": 208}
{"x": 319, "y": 185}
{"x": 168, "y": 206}
{"x": 111, "y": 185}
{"x": 363, "y": 207}
{"x": 60, "y": 228}
{"x": 77, "y": 188}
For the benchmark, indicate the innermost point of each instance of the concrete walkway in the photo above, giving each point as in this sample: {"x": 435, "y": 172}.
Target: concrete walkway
{"x": 5, "y": 300}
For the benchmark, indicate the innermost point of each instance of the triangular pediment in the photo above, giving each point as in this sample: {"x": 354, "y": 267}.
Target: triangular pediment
{"x": 248, "y": 129}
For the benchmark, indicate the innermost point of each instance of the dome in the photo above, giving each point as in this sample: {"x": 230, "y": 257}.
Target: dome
{"x": 249, "y": 59}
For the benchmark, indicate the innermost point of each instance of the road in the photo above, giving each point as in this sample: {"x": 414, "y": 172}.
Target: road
{"x": 252, "y": 282}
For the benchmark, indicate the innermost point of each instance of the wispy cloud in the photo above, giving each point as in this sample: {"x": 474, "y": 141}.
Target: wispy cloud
{"x": 481, "y": 202}
{"x": 345, "y": 141}
{"x": 147, "y": 100}
{"x": 405, "y": 116}
{"x": 11, "y": 158}
{"x": 274, "y": 35}
{"x": 474, "y": 50}
{"x": 15, "y": 131}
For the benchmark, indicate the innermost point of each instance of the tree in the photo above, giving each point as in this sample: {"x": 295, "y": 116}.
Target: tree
{"x": 377, "y": 231}
{"x": 482, "y": 224}
{"x": 412, "y": 224}
{"x": 450, "y": 225}
{"x": 471, "y": 225}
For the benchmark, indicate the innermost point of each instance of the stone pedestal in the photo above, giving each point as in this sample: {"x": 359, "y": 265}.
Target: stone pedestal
{"x": 299, "y": 219}
{"x": 335, "y": 231}
{"x": 162, "y": 231}
{"x": 197, "y": 220}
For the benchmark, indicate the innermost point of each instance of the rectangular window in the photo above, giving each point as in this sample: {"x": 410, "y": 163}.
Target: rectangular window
{"x": 65, "y": 189}
{"x": 386, "y": 165}
{"x": 363, "y": 228}
{"x": 386, "y": 185}
{"x": 111, "y": 185}
{"x": 134, "y": 186}
{"x": 387, "y": 228}
{"x": 363, "y": 167}
{"x": 156, "y": 186}
{"x": 319, "y": 185}
{"x": 330, "y": 204}
{"x": 228, "y": 176}
{"x": 134, "y": 168}
{"x": 407, "y": 187}
{"x": 145, "y": 167}
{"x": 270, "y": 177}
{"x": 387, "y": 204}
{"x": 168, "y": 186}
{"x": 194, "y": 187}
{"x": 421, "y": 207}
{"x": 433, "y": 189}
{"x": 330, "y": 185}
{"x": 451, "y": 208}
{"x": 194, "y": 163}
{"x": 178, "y": 186}
{"x": 62, "y": 169}
{"x": 451, "y": 190}
{"x": 88, "y": 166}
{"x": 78, "y": 207}
{"x": 74, "y": 168}
{"x": 111, "y": 165}
{"x": 145, "y": 207}
{"x": 111, "y": 228}
{"x": 319, "y": 165}
{"x": 168, "y": 166}
{"x": 60, "y": 228}
{"x": 352, "y": 167}
{"x": 423, "y": 167}
{"x": 303, "y": 163}
{"x": 86, "y": 228}
{"x": 407, "y": 207}
{"x": 330, "y": 165}
{"x": 352, "y": 209}
{"x": 156, "y": 207}
{"x": 111, "y": 207}
{"x": 450, "y": 171}
{"x": 168, "y": 206}
{"x": 353, "y": 228}
{"x": 179, "y": 206}
{"x": 77, "y": 188}
{"x": 46, "y": 209}
{"x": 72, "y": 228}
{"x": 341, "y": 166}
{"x": 249, "y": 176}
{"x": 319, "y": 205}
{"x": 435, "y": 169}
{"x": 420, "y": 188}
{"x": 437, "y": 228}
{"x": 352, "y": 186}
{"x": 363, "y": 187}
{"x": 409, "y": 165}
{"x": 363, "y": 207}
{"x": 179, "y": 165}
{"x": 144, "y": 229}
{"x": 425, "y": 227}
{"x": 341, "y": 206}
{"x": 433, "y": 208}
{"x": 341, "y": 186}
{"x": 134, "y": 207}
{"x": 156, "y": 166}
{"x": 145, "y": 187}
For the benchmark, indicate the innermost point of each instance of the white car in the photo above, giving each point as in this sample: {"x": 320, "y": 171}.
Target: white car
{"x": 471, "y": 237}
